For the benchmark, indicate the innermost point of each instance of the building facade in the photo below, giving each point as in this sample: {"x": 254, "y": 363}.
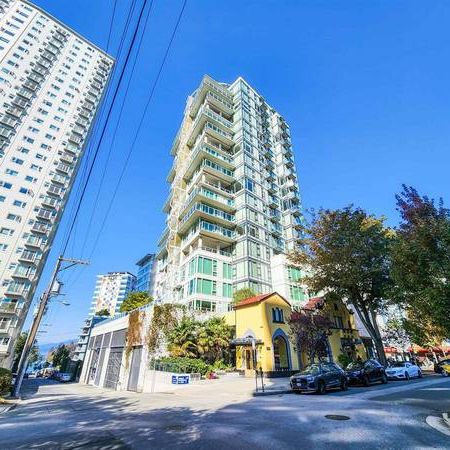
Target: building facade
{"x": 146, "y": 274}
{"x": 51, "y": 84}
{"x": 110, "y": 291}
{"x": 83, "y": 339}
{"x": 234, "y": 209}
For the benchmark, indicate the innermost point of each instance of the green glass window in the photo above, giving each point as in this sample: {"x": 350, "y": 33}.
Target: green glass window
{"x": 294, "y": 273}
{"x": 227, "y": 272}
{"x": 297, "y": 293}
{"x": 227, "y": 290}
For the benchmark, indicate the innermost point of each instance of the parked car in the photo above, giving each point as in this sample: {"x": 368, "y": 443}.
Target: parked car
{"x": 64, "y": 377}
{"x": 366, "y": 372}
{"x": 403, "y": 370}
{"x": 445, "y": 369}
{"x": 319, "y": 377}
{"x": 438, "y": 366}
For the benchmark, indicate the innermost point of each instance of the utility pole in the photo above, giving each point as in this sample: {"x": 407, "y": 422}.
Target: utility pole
{"x": 37, "y": 320}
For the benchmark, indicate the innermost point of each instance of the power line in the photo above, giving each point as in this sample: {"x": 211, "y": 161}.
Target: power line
{"x": 111, "y": 146}
{"x": 100, "y": 119}
{"x": 141, "y": 121}
{"x": 111, "y": 25}
{"x": 122, "y": 73}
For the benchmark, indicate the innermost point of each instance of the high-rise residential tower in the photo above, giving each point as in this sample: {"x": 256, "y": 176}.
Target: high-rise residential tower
{"x": 51, "y": 84}
{"x": 111, "y": 290}
{"x": 234, "y": 210}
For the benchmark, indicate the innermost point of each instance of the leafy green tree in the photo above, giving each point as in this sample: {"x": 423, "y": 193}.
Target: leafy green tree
{"x": 421, "y": 266}
{"x": 103, "y": 313}
{"x": 135, "y": 300}
{"x": 242, "y": 294}
{"x": 182, "y": 340}
{"x": 346, "y": 252}
{"x": 213, "y": 340}
{"x": 61, "y": 357}
{"x": 34, "y": 355}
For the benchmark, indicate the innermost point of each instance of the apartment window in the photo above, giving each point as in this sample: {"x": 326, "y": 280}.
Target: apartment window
{"x": 3, "y": 247}
{"x": 36, "y": 167}
{"x": 17, "y": 161}
{"x": 294, "y": 274}
{"x": 207, "y": 287}
{"x": 14, "y": 217}
{"x": 5, "y": 185}
{"x": 227, "y": 290}
{"x": 2, "y": 198}
{"x": 207, "y": 266}
{"x": 30, "y": 179}
{"x": 28, "y": 139}
{"x": 19, "y": 204}
{"x": 296, "y": 293}
{"x": 6, "y": 231}
{"x": 277, "y": 315}
{"x": 227, "y": 271}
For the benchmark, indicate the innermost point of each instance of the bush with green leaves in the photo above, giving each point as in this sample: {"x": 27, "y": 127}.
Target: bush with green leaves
{"x": 5, "y": 381}
{"x": 180, "y": 364}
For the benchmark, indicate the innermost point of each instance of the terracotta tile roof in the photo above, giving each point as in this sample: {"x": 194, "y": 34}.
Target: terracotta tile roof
{"x": 257, "y": 299}
{"x": 313, "y": 303}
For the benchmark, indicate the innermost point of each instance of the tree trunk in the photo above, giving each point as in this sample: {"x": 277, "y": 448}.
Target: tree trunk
{"x": 374, "y": 332}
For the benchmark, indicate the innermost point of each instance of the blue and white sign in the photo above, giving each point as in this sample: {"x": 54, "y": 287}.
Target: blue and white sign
{"x": 180, "y": 379}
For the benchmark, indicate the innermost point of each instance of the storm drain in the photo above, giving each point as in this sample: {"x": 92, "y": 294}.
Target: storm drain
{"x": 336, "y": 417}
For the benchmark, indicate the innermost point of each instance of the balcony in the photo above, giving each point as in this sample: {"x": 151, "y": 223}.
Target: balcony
{"x": 40, "y": 228}
{"x": 72, "y": 148}
{"x": 41, "y": 71}
{"x": 24, "y": 273}
{"x": 91, "y": 99}
{"x": 50, "y": 202}
{"x": 211, "y": 230}
{"x": 17, "y": 289}
{"x": 64, "y": 168}
{"x": 212, "y": 198}
{"x": 34, "y": 242}
{"x": 9, "y": 307}
{"x": 217, "y": 170}
{"x": 44, "y": 63}
{"x": 55, "y": 190}
{"x": 9, "y": 121}
{"x": 201, "y": 210}
{"x": 31, "y": 85}
{"x": 69, "y": 159}
{"x": 219, "y": 124}
{"x": 60, "y": 179}
{"x": 79, "y": 130}
{"x": 20, "y": 102}
{"x": 73, "y": 138}
{"x": 45, "y": 214}
{"x": 16, "y": 112}
{"x": 202, "y": 151}
{"x": 36, "y": 78}
{"x": 216, "y": 94}
{"x": 274, "y": 201}
{"x": 25, "y": 93}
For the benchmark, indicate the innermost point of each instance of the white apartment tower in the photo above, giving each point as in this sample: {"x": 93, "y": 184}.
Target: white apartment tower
{"x": 234, "y": 210}
{"x": 111, "y": 290}
{"x": 51, "y": 84}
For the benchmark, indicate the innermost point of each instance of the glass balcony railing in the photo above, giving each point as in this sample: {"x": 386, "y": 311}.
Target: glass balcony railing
{"x": 207, "y": 210}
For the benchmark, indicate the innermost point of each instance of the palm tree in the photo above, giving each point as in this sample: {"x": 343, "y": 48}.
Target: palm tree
{"x": 182, "y": 339}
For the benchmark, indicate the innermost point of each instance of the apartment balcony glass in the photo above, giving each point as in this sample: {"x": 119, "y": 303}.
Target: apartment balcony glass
{"x": 212, "y": 198}
{"x": 34, "y": 242}
{"x": 205, "y": 211}
{"x": 40, "y": 227}
{"x": 45, "y": 214}
{"x": 215, "y": 94}
{"x": 12, "y": 307}
{"x": 24, "y": 272}
{"x": 202, "y": 151}
{"x": 208, "y": 121}
{"x": 206, "y": 228}
{"x": 18, "y": 288}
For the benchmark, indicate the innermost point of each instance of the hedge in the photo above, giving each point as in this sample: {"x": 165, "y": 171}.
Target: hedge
{"x": 181, "y": 365}
{"x": 5, "y": 381}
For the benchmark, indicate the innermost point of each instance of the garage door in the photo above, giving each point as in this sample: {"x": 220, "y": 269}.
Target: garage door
{"x": 135, "y": 369}
{"x": 113, "y": 368}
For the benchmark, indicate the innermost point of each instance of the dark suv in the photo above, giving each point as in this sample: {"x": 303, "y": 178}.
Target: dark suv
{"x": 366, "y": 372}
{"x": 319, "y": 377}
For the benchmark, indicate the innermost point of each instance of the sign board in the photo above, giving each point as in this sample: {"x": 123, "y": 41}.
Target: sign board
{"x": 180, "y": 379}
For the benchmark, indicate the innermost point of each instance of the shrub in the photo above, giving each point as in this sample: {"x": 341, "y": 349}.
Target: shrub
{"x": 5, "y": 381}
{"x": 182, "y": 365}
{"x": 344, "y": 360}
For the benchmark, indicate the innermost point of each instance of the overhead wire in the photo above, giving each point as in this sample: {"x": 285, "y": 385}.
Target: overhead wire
{"x": 141, "y": 121}
{"x": 106, "y": 122}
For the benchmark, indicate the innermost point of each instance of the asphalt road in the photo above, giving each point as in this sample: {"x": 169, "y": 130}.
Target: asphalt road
{"x": 223, "y": 414}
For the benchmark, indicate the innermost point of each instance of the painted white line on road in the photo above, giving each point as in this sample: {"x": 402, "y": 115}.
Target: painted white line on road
{"x": 438, "y": 424}
{"x": 435, "y": 389}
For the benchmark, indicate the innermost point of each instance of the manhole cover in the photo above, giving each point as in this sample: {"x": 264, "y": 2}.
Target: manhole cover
{"x": 336, "y": 417}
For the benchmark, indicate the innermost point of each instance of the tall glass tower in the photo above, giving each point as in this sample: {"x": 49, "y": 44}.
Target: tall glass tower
{"x": 51, "y": 84}
{"x": 234, "y": 210}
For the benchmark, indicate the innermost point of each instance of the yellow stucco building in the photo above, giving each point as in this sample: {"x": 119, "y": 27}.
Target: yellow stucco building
{"x": 262, "y": 337}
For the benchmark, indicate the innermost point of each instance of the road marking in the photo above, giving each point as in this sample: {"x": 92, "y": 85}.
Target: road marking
{"x": 438, "y": 424}
{"x": 435, "y": 389}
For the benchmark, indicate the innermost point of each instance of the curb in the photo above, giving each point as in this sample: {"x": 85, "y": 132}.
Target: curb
{"x": 273, "y": 392}
{"x": 7, "y": 408}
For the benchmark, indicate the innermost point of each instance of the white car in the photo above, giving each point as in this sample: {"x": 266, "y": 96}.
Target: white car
{"x": 403, "y": 370}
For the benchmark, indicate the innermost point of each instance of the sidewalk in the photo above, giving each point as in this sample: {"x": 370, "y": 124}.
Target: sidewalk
{"x": 274, "y": 386}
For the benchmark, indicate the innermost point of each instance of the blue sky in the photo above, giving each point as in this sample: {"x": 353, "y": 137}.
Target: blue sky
{"x": 363, "y": 85}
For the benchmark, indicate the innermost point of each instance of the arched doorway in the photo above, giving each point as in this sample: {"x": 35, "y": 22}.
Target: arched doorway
{"x": 281, "y": 353}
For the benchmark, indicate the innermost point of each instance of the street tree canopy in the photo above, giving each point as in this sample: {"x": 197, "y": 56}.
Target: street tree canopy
{"x": 242, "y": 294}
{"x": 135, "y": 300}
{"x": 103, "y": 313}
{"x": 346, "y": 253}
{"x": 34, "y": 355}
{"x": 421, "y": 266}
